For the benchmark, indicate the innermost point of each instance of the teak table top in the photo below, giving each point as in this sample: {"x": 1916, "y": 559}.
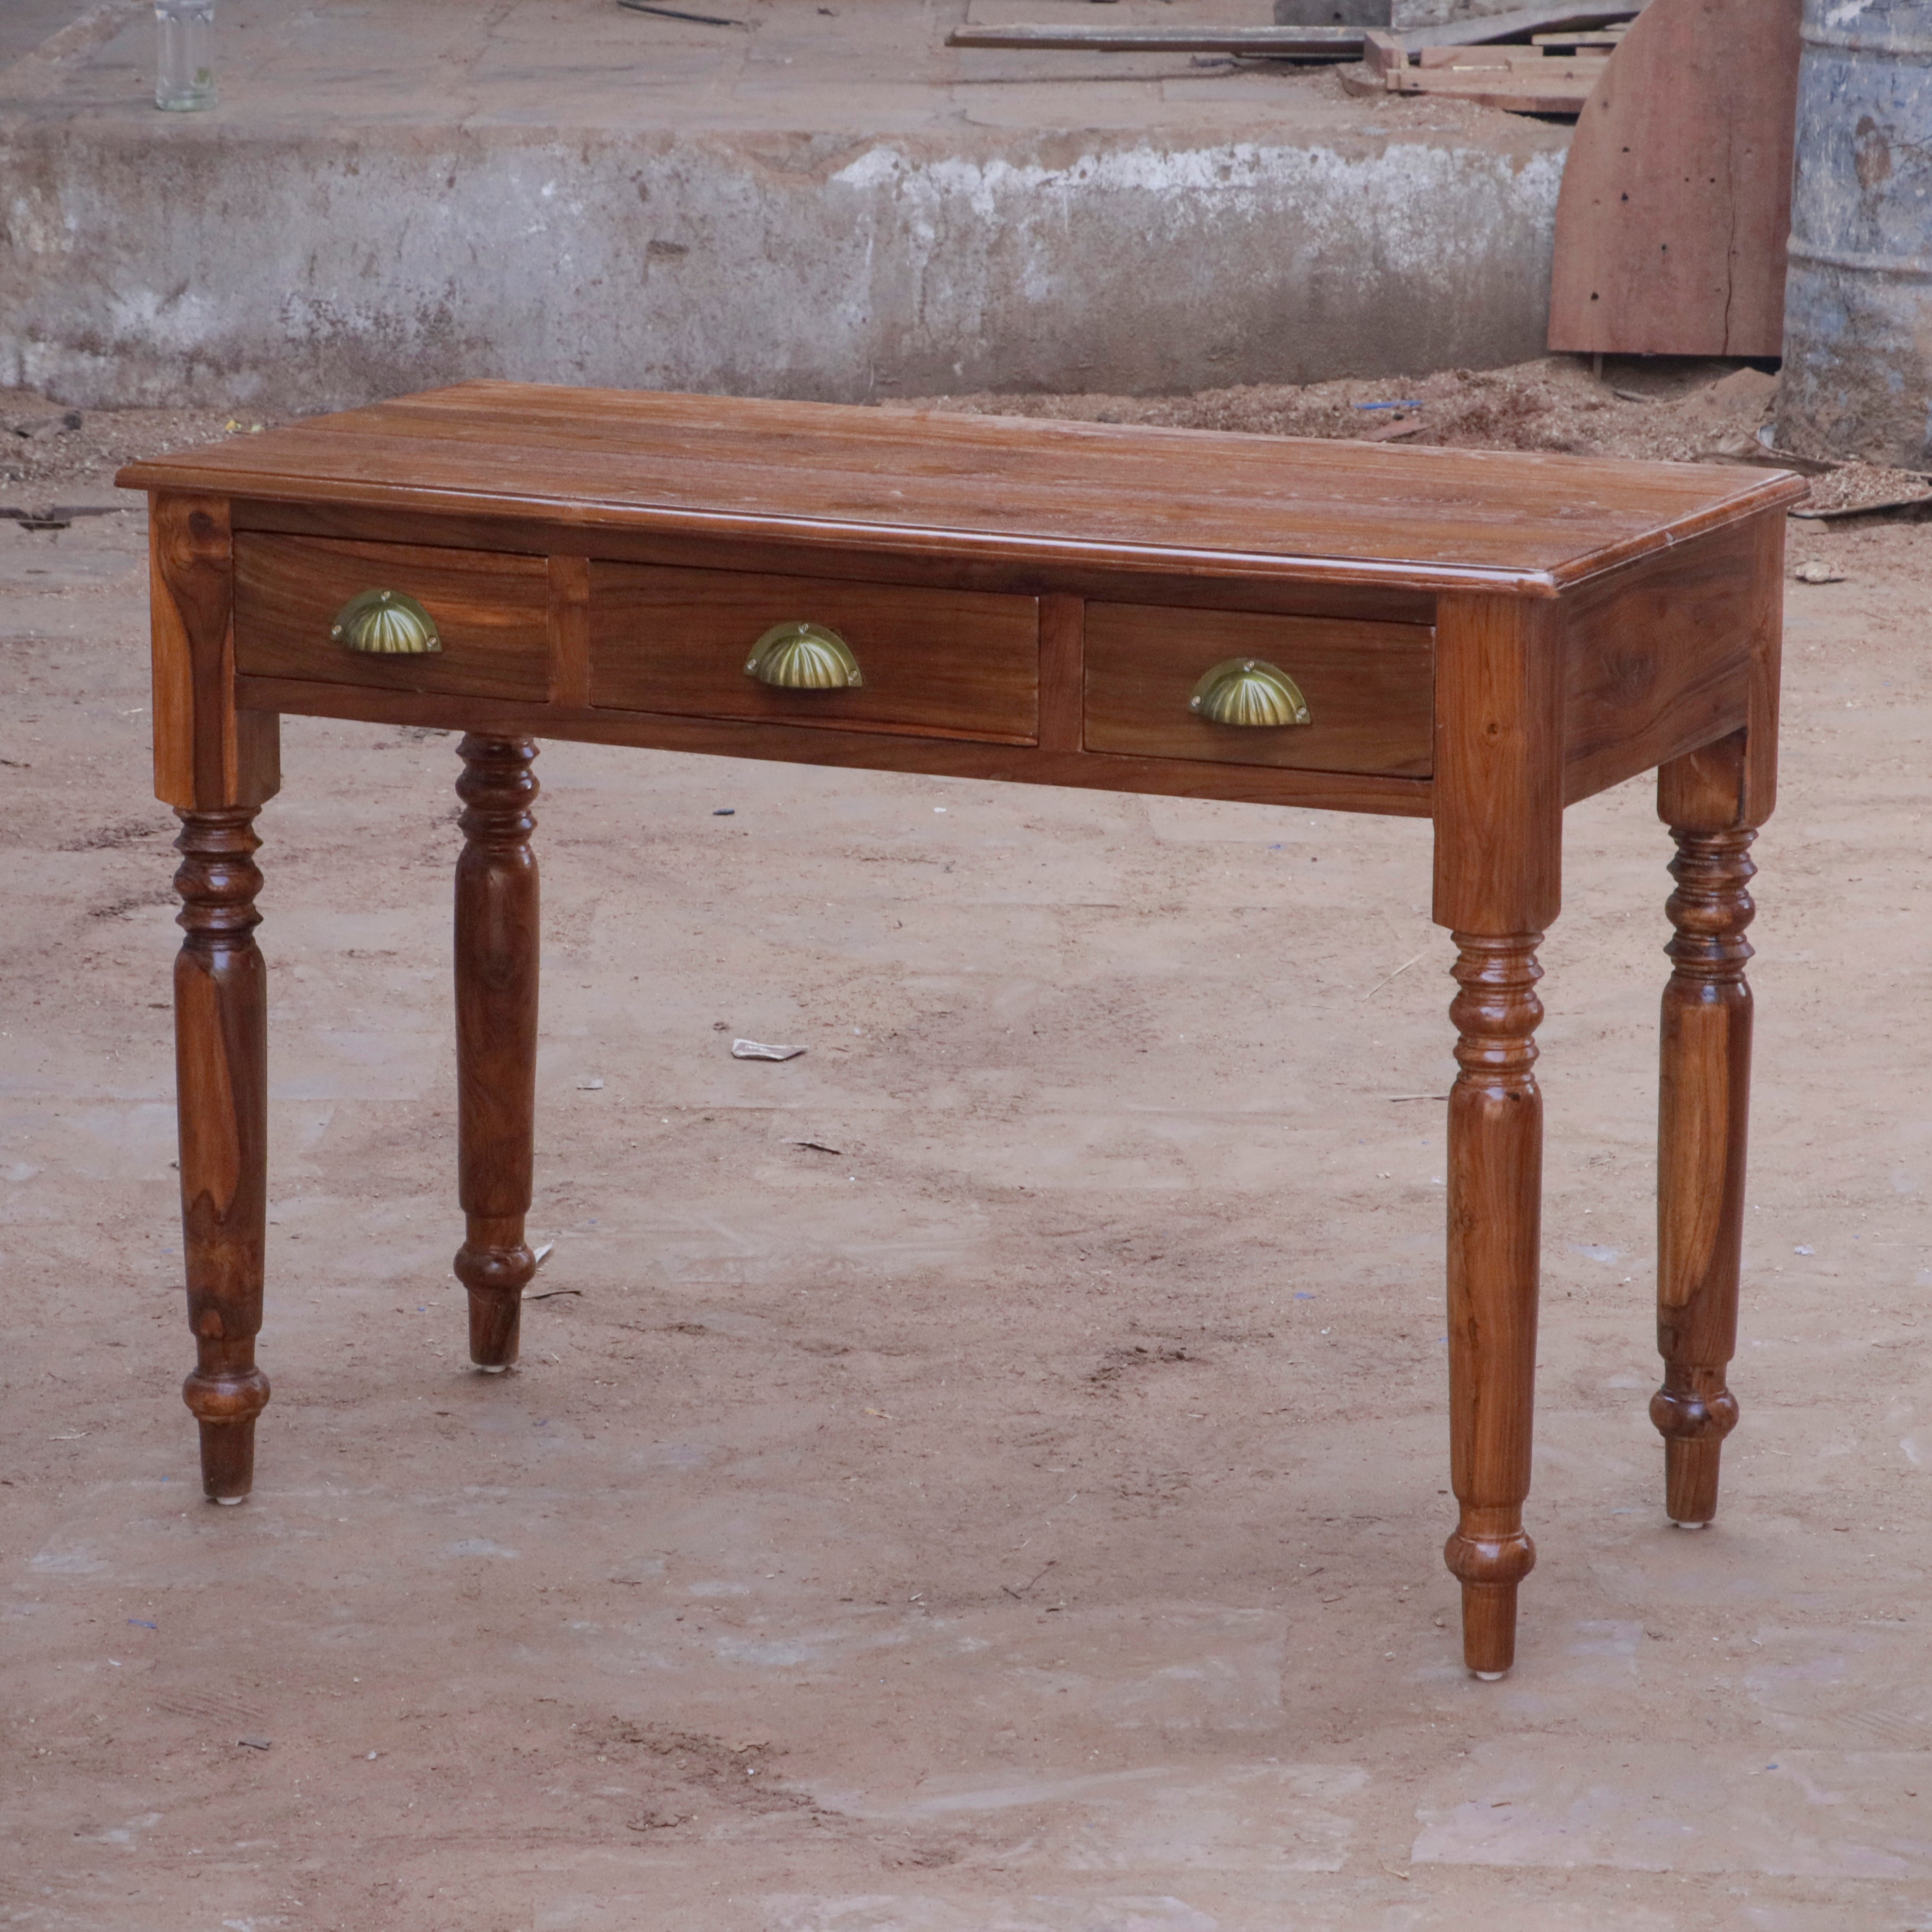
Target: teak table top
{"x": 1099, "y": 494}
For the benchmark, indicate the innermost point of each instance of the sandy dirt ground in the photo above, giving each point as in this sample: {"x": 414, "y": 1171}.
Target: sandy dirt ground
{"x": 987, "y": 1475}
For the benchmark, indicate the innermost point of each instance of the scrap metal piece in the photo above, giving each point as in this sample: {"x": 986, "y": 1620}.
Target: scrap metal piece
{"x": 681, "y": 13}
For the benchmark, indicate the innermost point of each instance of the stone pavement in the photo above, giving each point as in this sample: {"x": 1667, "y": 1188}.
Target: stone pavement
{"x": 1025, "y": 1520}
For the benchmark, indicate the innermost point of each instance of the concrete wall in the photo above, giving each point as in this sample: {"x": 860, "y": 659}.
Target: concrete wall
{"x": 160, "y": 265}
{"x": 1406, "y": 13}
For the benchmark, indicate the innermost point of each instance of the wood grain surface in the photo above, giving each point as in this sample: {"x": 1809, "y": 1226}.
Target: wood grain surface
{"x": 860, "y": 560}
{"x": 963, "y": 663}
{"x": 1703, "y": 1109}
{"x": 1494, "y": 1205}
{"x": 1675, "y": 206}
{"x": 215, "y": 762}
{"x": 873, "y": 750}
{"x": 1661, "y": 657}
{"x": 1369, "y": 687}
{"x": 1499, "y": 780}
{"x": 496, "y": 936}
{"x": 221, "y": 1096}
{"x": 207, "y": 753}
{"x": 1063, "y": 649}
{"x": 491, "y": 612}
{"x": 930, "y": 484}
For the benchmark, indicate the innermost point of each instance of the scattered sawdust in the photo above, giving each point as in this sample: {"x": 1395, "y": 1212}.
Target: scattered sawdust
{"x": 1657, "y": 409}
{"x": 685, "y": 1774}
{"x": 1120, "y": 1361}
{"x": 1862, "y": 486}
{"x": 45, "y": 445}
{"x": 1554, "y": 403}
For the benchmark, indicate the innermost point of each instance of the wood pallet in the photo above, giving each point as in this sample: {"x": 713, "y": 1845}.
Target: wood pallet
{"x": 1555, "y": 75}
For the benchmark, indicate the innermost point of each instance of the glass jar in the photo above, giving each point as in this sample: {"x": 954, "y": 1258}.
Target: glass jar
{"x": 184, "y": 64}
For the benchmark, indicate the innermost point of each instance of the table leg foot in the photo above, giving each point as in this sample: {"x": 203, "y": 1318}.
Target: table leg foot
{"x": 1488, "y": 1630}
{"x": 224, "y": 1399}
{"x": 1489, "y": 1571}
{"x": 1693, "y": 1428}
{"x": 496, "y": 1266}
{"x": 227, "y": 1460}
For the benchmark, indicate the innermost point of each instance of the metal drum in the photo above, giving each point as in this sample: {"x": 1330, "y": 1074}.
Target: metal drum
{"x": 1857, "y": 378}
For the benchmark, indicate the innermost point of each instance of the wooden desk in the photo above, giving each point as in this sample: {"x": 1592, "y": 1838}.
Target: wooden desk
{"x": 1473, "y": 638}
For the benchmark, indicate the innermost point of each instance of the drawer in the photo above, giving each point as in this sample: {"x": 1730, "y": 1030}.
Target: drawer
{"x": 490, "y": 613}
{"x": 1369, "y": 688}
{"x": 957, "y": 663}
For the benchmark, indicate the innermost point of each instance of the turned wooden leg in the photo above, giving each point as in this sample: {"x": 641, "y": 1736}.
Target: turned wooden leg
{"x": 1496, "y": 1187}
{"x": 496, "y": 948}
{"x": 1704, "y": 1100}
{"x": 221, "y": 1047}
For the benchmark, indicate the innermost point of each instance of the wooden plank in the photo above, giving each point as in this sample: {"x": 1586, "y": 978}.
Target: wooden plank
{"x": 1517, "y": 80}
{"x": 982, "y": 489}
{"x": 1560, "y": 88}
{"x": 1383, "y": 55}
{"x": 1274, "y": 42}
{"x": 1675, "y": 206}
{"x": 1521, "y": 25}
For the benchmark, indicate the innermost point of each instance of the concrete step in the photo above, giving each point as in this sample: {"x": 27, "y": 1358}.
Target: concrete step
{"x": 824, "y": 202}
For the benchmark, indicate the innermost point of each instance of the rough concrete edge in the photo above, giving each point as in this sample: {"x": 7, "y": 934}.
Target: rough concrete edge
{"x": 34, "y": 76}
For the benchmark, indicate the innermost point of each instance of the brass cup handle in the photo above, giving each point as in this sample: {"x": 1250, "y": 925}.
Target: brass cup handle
{"x": 1248, "y": 691}
{"x": 386, "y": 624}
{"x": 797, "y": 656}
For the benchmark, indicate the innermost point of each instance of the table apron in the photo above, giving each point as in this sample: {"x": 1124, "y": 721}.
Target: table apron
{"x": 805, "y": 745}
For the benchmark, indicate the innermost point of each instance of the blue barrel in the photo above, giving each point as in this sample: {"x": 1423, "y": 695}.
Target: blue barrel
{"x": 1857, "y": 379}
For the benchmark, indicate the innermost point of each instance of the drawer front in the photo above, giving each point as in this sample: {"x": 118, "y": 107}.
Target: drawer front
{"x": 490, "y": 613}
{"x": 962, "y": 664}
{"x": 1369, "y": 688}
